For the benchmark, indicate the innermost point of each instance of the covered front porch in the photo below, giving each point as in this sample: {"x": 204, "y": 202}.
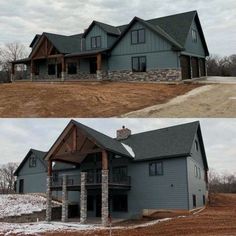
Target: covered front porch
{"x": 101, "y": 185}
{"x": 59, "y": 67}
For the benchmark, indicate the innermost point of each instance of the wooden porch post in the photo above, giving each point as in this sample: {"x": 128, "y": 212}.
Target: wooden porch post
{"x": 12, "y": 71}
{"x": 105, "y": 188}
{"x": 99, "y": 66}
{"x": 49, "y": 193}
{"x": 63, "y": 68}
{"x": 32, "y": 67}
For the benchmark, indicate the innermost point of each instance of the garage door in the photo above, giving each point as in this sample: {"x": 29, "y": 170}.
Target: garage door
{"x": 202, "y": 67}
{"x": 185, "y": 67}
{"x": 195, "y": 67}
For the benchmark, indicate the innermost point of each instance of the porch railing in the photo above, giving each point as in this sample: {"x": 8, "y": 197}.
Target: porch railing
{"x": 92, "y": 179}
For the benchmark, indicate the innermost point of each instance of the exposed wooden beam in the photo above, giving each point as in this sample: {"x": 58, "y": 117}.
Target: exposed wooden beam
{"x": 74, "y": 137}
{"x": 12, "y": 68}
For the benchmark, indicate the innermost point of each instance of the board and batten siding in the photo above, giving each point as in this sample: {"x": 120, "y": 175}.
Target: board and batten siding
{"x": 34, "y": 177}
{"x": 196, "y": 185}
{"x": 158, "y": 52}
{"x": 168, "y": 191}
{"x": 96, "y": 31}
{"x": 192, "y": 48}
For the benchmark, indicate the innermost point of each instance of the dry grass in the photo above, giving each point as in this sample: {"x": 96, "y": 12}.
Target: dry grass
{"x": 88, "y": 99}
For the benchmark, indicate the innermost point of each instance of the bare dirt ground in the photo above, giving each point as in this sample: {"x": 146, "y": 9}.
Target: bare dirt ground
{"x": 88, "y": 99}
{"x": 217, "y": 219}
{"x": 215, "y": 100}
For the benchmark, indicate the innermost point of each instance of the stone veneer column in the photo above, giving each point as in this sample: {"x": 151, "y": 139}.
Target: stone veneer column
{"x": 64, "y": 213}
{"x": 49, "y": 200}
{"x": 105, "y": 210}
{"x": 99, "y": 75}
{"x": 83, "y": 198}
{"x": 63, "y": 76}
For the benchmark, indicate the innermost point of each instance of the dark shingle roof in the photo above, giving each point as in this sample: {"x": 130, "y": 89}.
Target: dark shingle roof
{"x": 109, "y": 28}
{"x": 65, "y": 44}
{"x": 177, "y": 26}
{"x": 163, "y": 143}
{"x": 39, "y": 154}
{"x": 105, "y": 141}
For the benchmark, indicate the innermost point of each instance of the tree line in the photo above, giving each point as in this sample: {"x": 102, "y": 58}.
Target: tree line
{"x": 222, "y": 182}
{"x": 221, "y": 66}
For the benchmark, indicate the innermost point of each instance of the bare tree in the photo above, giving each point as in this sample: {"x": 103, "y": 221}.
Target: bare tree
{"x": 7, "y": 178}
{"x": 11, "y": 52}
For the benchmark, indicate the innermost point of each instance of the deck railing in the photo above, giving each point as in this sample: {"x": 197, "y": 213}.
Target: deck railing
{"x": 92, "y": 179}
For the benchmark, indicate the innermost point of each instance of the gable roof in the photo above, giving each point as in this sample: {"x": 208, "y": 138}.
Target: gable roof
{"x": 39, "y": 154}
{"x": 107, "y": 28}
{"x": 178, "y": 26}
{"x": 155, "y": 28}
{"x": 175, "y": 141}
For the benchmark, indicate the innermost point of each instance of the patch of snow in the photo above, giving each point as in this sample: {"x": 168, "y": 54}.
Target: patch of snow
{"x": 17, "y": 204}
{"x": 129, "y": 149}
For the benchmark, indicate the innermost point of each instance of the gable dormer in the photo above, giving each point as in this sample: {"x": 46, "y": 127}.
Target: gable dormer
{"x": 100, "y": 36}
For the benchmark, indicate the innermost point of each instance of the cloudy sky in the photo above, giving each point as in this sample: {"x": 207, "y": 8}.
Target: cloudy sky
{"x": 21, "y": 20}
{"x": 17, "y": 136}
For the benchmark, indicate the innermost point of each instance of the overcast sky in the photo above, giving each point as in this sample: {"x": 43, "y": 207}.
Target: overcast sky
{"x": 17, "y": 136}
{"x": 21, "y": 20}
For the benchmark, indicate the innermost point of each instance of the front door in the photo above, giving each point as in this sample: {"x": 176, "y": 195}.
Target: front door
{"x": 21, "y": 186}
{"x": 93, "y": 65}
{"x": 59, "y": 70}
{"x": 98, "y": 206}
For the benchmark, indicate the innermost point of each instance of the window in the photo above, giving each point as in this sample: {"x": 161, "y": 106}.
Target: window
{"x": 194, "y": 35}
{"x": 194, "y": 201}
{"x": 51, "y": 69}
{"x": 96, "y": 42}
{"x": 36, "y": 68}
{"x": 90, "y": 203}
{"x": 138, "y": 36}
{"x": 195, "y": 171}
{"x": 55, "y": 177}
{"x": 139, "y": 64}
{"x": 155, "y": 168}
{"x": 90, "y": 176}
{"x": 120, "y": 203}
{"x": 32, "y": 161}
{"x": 196, "y": 145}
{"x": 119, "y": 174}
{"x": 72, "y": 68}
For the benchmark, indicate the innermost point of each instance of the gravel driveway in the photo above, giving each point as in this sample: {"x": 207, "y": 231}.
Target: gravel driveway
{"x": 214, "y": 100}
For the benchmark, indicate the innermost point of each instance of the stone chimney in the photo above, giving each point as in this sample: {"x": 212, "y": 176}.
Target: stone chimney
{"x": 123, "y": 133}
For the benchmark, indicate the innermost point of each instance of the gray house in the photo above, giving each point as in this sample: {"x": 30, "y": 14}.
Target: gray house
{"x": 166, "y": 48}
{"x": 33, "y": 169}
{"x": 123, "y": 176}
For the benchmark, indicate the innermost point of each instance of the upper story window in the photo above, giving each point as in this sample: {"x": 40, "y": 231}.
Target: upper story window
{"x": 72, "y": 68}
{"x": 195, "y": 171}
{"x": 96, "y": 42}
{"x": 194, "y": 35}
{"x": 139, "y": 64}
{"x": 155, "y": 168}
{"x": 32, "y": 161}
{"x": 138, "y": 36}
{"x": 120, "y": 174}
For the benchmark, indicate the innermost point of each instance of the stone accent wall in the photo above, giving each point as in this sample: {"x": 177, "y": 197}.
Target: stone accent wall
{"x": 83, "y": 199}
{"x": 64, "y": 214}
{"x": 105, "y": 210}
{"x": 150, "y": 75}
{"x": 49, "y": 200}
{"x": 81, "y": 76}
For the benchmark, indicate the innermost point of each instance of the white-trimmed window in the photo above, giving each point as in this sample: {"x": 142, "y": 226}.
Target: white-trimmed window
{"x": 194, "y": 35}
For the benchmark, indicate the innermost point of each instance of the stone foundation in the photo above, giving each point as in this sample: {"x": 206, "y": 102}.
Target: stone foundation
{"x": 105, "y": 209}
{"x": 83, "y": 199}
{"x": 81, "y": 76}
{"x": 150, "y": 75}
{"x": 64, "y": 214}
{"x": 49, "y": 200}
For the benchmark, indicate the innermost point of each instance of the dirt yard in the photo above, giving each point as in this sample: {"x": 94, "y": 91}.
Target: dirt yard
{"x": 218, "y": 219}
{"x": 86, "y": 99}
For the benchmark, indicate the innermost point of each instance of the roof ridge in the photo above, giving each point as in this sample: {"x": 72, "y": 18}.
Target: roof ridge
{"x": 169, "y": 127}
